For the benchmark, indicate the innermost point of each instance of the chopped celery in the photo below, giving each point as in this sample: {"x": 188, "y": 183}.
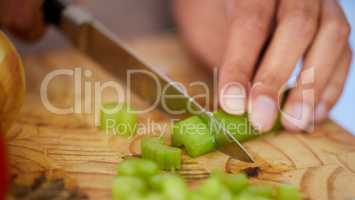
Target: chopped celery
{"x": 118, "y": 118}
{"x": 167, "y": 158}
{"x": 250, "y": 196}
{"x": 195, "y": 196}
{"x": 287, "y": 192}
{"x": 260, "y": 190}
{"x": 177, "y": 136}
{"x": 234, "y": 182}
{"x": 127, "y": 187}
{"x": 213, "y": 188}
{"x": 194, "y": 134}
{"x": 137, "y": 167}
{"x": 239, "y": 126}
{"x": 153, "y": 196}
{"x": 173, "y": 187}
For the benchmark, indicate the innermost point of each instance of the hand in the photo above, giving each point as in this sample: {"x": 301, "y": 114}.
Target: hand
{"x": 257, "y": 44}
{"x": 23, "y": 18}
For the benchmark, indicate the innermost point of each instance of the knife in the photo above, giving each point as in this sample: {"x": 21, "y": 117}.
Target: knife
{"x": 93, "y": 39}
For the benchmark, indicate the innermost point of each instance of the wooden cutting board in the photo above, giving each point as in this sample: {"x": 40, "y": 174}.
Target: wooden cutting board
{"x": 322, "y": 164}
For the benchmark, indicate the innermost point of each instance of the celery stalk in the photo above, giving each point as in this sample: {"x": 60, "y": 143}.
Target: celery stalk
{"x": 118, "y": 118}
{"x": 287, "y": 192}
{"x": 194, "y": 134}
{"x": 167, "y": 158}
{"x": 127, "y": 188}
{"x": 137, "y": 167}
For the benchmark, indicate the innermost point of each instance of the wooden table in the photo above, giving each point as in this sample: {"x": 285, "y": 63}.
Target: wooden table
{"x": 322, "y": 164}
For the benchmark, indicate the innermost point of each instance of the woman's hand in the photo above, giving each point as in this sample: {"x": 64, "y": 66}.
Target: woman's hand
{"x": 257, "y": 44}
{"x": 23, "y": 18}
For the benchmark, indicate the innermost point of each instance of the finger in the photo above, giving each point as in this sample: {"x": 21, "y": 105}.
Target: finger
{"x": 334, "y": 89}
{"x": 23, "y": 18}
{"x": 297, "y": 25}
{"x": 202, "y": 25}
{"x": 319, "y": 64}
{"x": 248, "y": 34}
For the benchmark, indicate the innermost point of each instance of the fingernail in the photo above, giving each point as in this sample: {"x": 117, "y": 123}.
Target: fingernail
{"x": 297, "y": 116}
{"x": 233, "y": 100}
{"x": 321, "y": 112}
{"x": 263, "y": 113}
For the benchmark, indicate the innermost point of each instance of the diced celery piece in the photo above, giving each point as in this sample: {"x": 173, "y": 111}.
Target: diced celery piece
{"x": 137, "y": 167}
{"x": 213, "y": 188}
{"x": 127, "y": 187}
{"x": 249, "y": 196}
{"x": 118, "y": 118}
{"x": 168, "y": 158}
{"x": 238, "y": 125}
{"x": 287, "y": 192}
{"x": 234, "y": 182}
{"x": 195, "y": 196}
{"x": 153, "y": 196}
{"x": 195, "y": 136}
{"x": 260, "y": 190}
{"x": 177, "y": 135}
{"x": 173, "y": 187}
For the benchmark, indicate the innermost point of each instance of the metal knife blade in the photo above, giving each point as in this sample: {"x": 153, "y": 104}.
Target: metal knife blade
{"x": 95, "y": 40}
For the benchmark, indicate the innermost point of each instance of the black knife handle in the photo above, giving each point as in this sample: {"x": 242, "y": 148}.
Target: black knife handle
{"x": 52, "y": 10}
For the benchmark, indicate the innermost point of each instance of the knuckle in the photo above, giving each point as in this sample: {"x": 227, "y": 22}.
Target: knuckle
{"x": 339, "y": 27}
{"x": 274, "y": 80}
{"x": 303, "y": 21}
{"x": 256, "y": 19}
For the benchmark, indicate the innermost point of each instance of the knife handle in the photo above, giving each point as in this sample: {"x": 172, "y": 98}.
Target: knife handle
{"x": 52, "y": 11}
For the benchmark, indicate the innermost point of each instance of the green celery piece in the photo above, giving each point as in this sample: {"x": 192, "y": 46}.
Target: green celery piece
{"x": 153, "y": 196}
{"x": 260, "y": 190}
{"x": 238, "y": 125}
{"x": 137, "y": 167}
{"x": 168, "y": 158}
{"x": 127, "y": 188}
{"x": 194, "y": 134}
{"x": 184, "y": 127}
{"x": 213, "y": 188}
{"x": 249, "y": 196}
{"x": 122, "y": 121}
{"x": 177, "y": 135}
{"x": 287, "y": 192}
{"x": 196, "y": 196}
{"x": 234, "y": 182}
{"x": 173, "y": 187}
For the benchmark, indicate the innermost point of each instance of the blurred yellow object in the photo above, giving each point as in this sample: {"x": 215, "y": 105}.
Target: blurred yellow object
{"x": 12, "y": 83}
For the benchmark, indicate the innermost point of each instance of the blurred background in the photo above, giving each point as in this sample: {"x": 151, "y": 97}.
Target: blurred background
{"x": 130, "y": 19}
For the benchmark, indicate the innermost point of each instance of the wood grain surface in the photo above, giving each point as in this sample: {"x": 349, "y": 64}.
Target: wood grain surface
{"x": 322, "y": 163}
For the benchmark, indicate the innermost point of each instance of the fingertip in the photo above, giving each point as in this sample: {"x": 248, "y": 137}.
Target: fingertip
{"x": 297, "y": 116}
{"x": 233, "y": 99}
{"x": 263, "y": 113}
{"x": 321, "y": 112}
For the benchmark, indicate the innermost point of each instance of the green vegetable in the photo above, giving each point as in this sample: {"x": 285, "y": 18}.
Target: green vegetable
{"x": 195, "y": 196}
{"x": 213, "y": 188}
{"x": 127, "y": 188}
{"x": 171, "y": 186}
{"x": 238, "y": 126}
{"x": 249, "y": 196}
{"x": 195, "y": 136}
{"x": 287, "y": 192}
{"x": 153, "y": 196}
{"x": 167, "y": 158}
{"x": 137, "y": 167}
{"x": 260, "y": 190}
{"x": 138, "y": 179}
{"x": 118, "y": 118}
{"x": 234, "y": 182}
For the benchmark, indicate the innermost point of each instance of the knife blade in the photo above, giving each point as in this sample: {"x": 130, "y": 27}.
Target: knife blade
{"x": 92, "y": 38}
